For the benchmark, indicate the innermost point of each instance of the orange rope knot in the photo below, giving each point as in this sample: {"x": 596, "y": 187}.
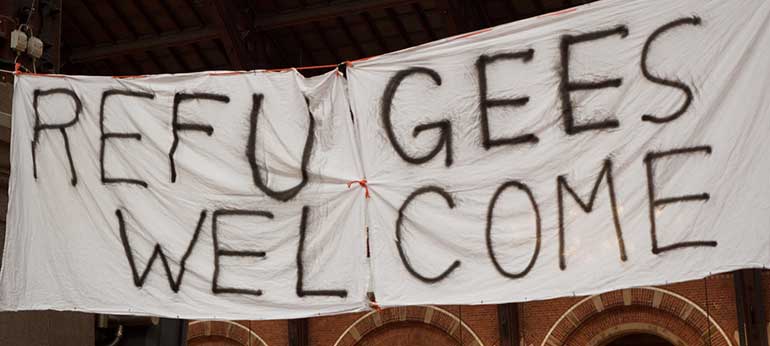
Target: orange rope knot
{"x": 17, "y": 68}
{"x": 361, "y": 183}
{"x": 375, "y": 306}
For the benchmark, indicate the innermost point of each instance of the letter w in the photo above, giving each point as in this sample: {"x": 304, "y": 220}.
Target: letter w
{"x": 157, "y": 251}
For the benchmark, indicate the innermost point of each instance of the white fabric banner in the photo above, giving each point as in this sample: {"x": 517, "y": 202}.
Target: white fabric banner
{"x": 255, "y": 223}
{"x": 617, "y": 144}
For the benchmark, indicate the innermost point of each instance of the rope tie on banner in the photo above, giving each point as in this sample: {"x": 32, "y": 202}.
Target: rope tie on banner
{"x": 373, "y": 304}
{"x": 361, "y": 183}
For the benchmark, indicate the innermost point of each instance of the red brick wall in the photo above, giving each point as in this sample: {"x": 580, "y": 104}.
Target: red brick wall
{"x": 536, "y": 318}
{"x": 715, "y": 294}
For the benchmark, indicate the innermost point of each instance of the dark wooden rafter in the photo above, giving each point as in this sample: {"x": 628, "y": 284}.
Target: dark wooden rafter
{"x": 483, "y": 13}
{"x": 138, "y": 43}
{"x": 303, "y": 49}
{"x": 90, "y": 9}
{"x": 171, "y": 14}
{"x": 201, "y": 23}
{"x": 452, "y": 21}
{"x": 75, "y": 23}
{"x": 539, "y": 6}
{"x": 512, "y": 9}
{"x": 196, "y": 13}
{"x": 232, "y": 40}
{"x": 424, "y": 21}
{"x": 276, "y": 6}
{"x": 321, "y": 12}
{"x": 349, "y": 34}
{"x": 375, "y": 31}
{"x": 399, "y": 26}
{"x": 284, "y": 58}
{"x": 146, "y": 15}
{"x": 264, "y": 37}
{"x": 177, "y": 26}
{"x": 156, "y": 61}
{"x": 132, "y": 30}
{"x": 325, "y": 40}
{"x": 144, "y": 44}
{"x": 135, "y": 67}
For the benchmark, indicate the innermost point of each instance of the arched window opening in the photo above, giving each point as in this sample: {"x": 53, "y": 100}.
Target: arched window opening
{"x": 639, "y": 339}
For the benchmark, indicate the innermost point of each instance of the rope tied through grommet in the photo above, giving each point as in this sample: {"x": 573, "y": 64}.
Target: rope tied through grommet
{"x": 363, "y": 183}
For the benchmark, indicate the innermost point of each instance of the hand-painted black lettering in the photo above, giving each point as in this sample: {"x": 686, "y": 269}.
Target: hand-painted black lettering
{"x": 251, "y": 147}
{"x": 177, "y": 126}
{"x": 654, "y": 202}
{"x": 301, "y": 291}
{"x": 399, "y": 243}
{"x": 677, "y": 84}
{"x": 158, "y": 251}
{"x": 561, "y": 182}
{"x": 490, "y": 216}
{"x": 107, "y": 135}
{"x": 566, "y": 86}
{"x": 219, "y": 252}
{"x": 40, "y": 127}
{"x": 486, "y": 103}
{"x": 444, "y": 126}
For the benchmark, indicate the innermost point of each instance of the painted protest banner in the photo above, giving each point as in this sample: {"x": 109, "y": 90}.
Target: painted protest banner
{"x": 617, "y": 144}
{"x": 198, "y": 196}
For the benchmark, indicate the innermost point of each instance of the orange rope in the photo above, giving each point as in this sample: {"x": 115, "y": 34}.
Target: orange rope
{"x": 361, "y": 183}
{"x": 374, "y": 305}
{"x": 316, "y": 67}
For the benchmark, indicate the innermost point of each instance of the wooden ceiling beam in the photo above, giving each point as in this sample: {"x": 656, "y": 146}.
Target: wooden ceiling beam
{"x": 325, "y": 41}
{"x": 235, "y": 48}
{"x": 539, "y": 5}
{"x": 303, "y": 49}
{"x": 99, "y": 21}
{"x": 344, "y": 25}
{"x": 399, "y": 26}
{"x": 146, "y": 15}
{"x": 375, "y": 32}
{"x": 481, "y": 7}
{"x": 322, "y": 12}
{"x": 512, "y": 9}
{"x": 181, "y": 38}
{"x": 196, "y": 13}
{"x": 424, "y": 21}
{"x": 134, "y": 34}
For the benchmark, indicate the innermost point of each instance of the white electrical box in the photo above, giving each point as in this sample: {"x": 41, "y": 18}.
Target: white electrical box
{"x": 18, "y": 41}
{"x": 35, "y": 47}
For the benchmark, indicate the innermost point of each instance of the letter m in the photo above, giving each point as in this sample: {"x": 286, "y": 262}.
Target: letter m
{"x": 562, "y": 185}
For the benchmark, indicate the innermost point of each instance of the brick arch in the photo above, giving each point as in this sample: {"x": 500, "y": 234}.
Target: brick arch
{"x": 202, "y": 331}
{"x": 435, "y": 317}
{"x": 624, "y": 329}
{"x": 600, "y": 318}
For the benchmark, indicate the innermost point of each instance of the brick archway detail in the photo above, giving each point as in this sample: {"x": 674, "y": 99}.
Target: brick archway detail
{"x": 434, "y": 316}
{"x": 226, "y": 329}
{"x": 598, "y": 319}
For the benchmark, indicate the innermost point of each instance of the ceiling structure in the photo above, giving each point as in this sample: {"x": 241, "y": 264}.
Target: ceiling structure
{"x": 130, "y": 37}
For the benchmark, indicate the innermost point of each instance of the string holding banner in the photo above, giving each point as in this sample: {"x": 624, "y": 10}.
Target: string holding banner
{"x": 362, "y": 183}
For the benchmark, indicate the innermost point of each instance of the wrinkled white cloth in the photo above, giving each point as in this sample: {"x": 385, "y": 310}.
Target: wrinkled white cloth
{"x": 602, "y": 122}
